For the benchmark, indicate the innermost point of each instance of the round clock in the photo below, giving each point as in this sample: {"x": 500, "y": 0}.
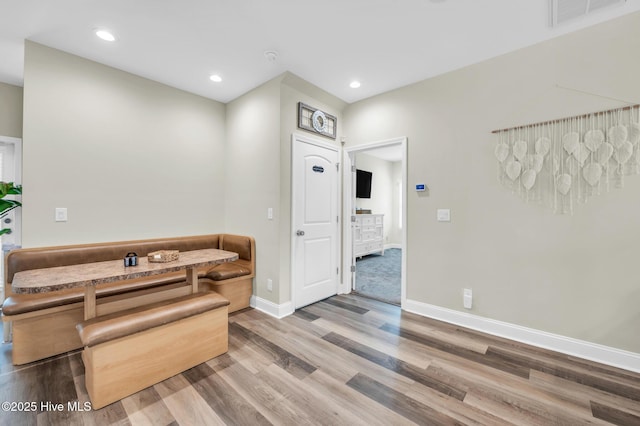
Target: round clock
{"x": 319, "y": 121}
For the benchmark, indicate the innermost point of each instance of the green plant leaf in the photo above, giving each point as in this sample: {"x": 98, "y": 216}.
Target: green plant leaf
{"x": 8, "y": 205}
{"x": 9, "y": 188}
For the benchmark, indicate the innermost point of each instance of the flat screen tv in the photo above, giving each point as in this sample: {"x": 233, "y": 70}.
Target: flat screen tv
{"x": 363, "y": 184}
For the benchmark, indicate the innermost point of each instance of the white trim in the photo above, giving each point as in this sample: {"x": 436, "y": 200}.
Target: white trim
{"x": 567, "y": 345}
{"x": 393, "y": 245}
{"x": 313, "y": 141}
{"x": 270, "y": 308}
{"x": 347, "y": 205}
{"x": 17, "y": 153}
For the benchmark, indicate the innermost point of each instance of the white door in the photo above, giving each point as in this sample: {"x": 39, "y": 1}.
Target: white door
{"x": 315, "y": 221}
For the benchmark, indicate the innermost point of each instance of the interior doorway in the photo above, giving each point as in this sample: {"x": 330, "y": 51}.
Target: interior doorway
{"x": 375, "y": 233}
{"x": 11, "y": 171}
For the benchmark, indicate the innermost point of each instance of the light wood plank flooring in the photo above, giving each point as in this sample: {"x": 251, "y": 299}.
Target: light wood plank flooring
{"x": 345, "y": 361}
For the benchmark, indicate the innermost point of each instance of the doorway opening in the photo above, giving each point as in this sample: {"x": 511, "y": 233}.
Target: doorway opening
{"x": 10, "y": 171}
{"x": 375, "y": 234}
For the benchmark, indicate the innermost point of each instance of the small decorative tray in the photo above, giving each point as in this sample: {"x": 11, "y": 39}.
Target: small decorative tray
{"x": 162, "y": 256}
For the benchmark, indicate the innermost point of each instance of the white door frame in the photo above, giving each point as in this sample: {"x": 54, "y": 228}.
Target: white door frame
{"x": 17, "y": 170}
{"x": 295, "y": 139}
{"x": 348, "y": 203}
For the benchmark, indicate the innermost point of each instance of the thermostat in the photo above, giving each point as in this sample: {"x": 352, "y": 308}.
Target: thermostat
{"x": 421, "y": 187}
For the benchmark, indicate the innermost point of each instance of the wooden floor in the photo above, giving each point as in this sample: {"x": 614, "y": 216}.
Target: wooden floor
{"x": 344, "y": 361}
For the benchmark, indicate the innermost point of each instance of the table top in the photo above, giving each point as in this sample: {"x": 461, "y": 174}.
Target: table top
{"x": 92, "y": 274}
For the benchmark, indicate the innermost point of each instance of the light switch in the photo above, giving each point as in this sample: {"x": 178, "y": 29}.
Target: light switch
{"x": 270, "y": 213}
{"x": 61, "y": 214}
{"x": 467, "y": 298}
{"x": 443, "y": 215}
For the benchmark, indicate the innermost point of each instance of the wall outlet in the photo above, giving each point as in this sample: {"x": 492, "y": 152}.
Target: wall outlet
{"x": 467, "y": 298}
{"x": 443, "y": 215}
{"x": 61, "y": 214}
{"x": 269, "y": 284}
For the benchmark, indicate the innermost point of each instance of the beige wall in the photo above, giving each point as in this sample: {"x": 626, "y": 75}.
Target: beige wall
{"x": 258, "y": 173}
{"x": 10, "y": 110}
{"x": 571, "y": 275}
{"x": 129, "y": 157}
{"x": 252, "y": 179}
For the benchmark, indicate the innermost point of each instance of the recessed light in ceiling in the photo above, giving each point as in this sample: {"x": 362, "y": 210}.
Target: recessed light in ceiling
{"x": 215, "y": 78}
{"x": 105, "y": 35}
{"x": 354, "y": 84}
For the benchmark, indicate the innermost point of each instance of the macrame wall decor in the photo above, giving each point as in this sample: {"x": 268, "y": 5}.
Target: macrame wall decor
{"x": 558, "y": 163}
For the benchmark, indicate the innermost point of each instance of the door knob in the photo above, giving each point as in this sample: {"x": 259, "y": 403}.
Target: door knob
{"x": 299, "y": 232}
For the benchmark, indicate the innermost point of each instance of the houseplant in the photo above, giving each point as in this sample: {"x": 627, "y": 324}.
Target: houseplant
{"x": 8, "y": 188}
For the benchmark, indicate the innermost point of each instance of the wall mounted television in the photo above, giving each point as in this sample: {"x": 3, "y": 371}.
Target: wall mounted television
{"x": 363, "y": 184}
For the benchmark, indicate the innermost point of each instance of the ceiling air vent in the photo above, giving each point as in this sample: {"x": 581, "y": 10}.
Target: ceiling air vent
{"x": 567, "y": 10}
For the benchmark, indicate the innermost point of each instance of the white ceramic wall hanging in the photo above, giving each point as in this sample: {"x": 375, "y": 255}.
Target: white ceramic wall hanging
{"x": 593, "y": 139}
{"x": 502, "y": 151}
{"x": 529, "y": 179}
{"x": 543, "y": 145}
{"x": 634, "y": 133}
{"x": 520, "y": 150}
{"x": 592, "y": 173}
{"x": 561, "y": 161}
{"x": 513, "y": 169}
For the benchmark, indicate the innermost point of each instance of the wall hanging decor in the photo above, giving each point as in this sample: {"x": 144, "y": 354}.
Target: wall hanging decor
{"x": 560, "y": 162}
{"x": 314, "y": 120}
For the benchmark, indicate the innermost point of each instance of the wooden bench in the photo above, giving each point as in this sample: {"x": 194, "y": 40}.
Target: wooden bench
{"x": 128, "y": 351}
{"x": 43, "y": 325}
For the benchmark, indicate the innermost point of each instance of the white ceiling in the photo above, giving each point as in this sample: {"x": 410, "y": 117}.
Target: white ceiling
{"x": 385, "y": 44}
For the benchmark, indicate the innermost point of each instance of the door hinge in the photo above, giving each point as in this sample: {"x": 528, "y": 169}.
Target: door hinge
{"x": 337, "y": 219}
{"x": 337, "y": 167}
{"x": 338, "y": 271}
{"x": 353, "y": 268}
{"x": 353, "y": 168}
{"x": 353, "y": 219}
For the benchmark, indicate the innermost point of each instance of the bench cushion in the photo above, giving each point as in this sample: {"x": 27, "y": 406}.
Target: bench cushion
{"x": 237, "y": 244}
{"x": 225, "y": 271}
{"x": 119, "y": 324}
{"x": 22, "y": 303}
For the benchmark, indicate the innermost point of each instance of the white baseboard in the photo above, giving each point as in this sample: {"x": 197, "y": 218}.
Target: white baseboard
{"x": 270, "y": 308}
{"x": 567, "y": 345}
{"x": 390, "y": 246}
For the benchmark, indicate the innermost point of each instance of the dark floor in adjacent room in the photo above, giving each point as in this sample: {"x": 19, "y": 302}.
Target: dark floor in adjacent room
{"x": 346, "y": 360}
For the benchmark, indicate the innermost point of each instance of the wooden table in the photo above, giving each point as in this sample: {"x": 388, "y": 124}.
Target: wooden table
{"x": 89, "y": 275}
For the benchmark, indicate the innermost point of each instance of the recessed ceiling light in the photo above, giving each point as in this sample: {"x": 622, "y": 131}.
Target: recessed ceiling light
{"x": 215, "y": 78}
{"x": 354, "y": 84}
{"x": 105, "y": 35}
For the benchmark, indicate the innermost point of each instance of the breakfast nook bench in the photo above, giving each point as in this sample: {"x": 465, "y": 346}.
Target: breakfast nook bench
{"x": 128, "y": 351}
{"x": 43, "y": 324}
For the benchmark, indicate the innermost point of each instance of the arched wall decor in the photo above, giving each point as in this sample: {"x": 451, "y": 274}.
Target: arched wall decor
{"x": 560, "y": 162}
